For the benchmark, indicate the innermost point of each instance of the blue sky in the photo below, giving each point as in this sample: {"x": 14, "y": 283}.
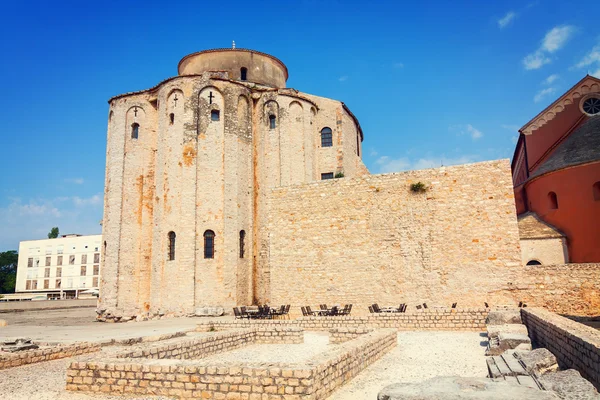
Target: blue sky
{"x": 431, "y": 83}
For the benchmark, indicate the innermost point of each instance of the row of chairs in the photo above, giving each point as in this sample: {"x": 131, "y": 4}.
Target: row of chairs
{"x": 374, "y": 308}
{"x": 324, "y": 311}
{"x": 263, "y": 312}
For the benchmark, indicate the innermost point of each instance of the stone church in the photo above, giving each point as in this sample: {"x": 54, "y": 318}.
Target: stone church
{"x": 224, "y": 188}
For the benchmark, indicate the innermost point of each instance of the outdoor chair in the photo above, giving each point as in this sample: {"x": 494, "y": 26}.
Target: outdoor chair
{"x": 419, "y": 307}
{"x": 323, "y": 306}
{"x": 287, "y": 310}
{"x": 424, "y": 305}
{"x": 404, "y": 309}
{"x": 454, "y": 305}
{"x": 486, "y": 305}
{"x": 401, "y": 308}
{"x": 309, "y": 311}
{"x": 376, "y": 308}
{"x": 238, "y": 314}
{"x": 304, "y": 312}
{"x": 371, "y": 309}
{"x": 279, "y": 312}
{"x": 334, "y": 311}
{"x": 346, "y": 310}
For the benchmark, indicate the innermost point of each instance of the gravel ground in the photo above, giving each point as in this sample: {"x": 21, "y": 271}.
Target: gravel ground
{"x": 46, "y": 381}
{"x": 314, "y": 343}
{"x": 420, "y": 356}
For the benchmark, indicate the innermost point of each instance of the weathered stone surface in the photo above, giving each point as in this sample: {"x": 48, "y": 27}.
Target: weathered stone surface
{"x": 209, "y": 311}
{"x": 504, "y": 317}
{"x": 569, "y": 385}
{"x": 539, "y": 361}
{"x": 524, "y": 347}
{"x": 19, "y": 344}
{"x": 512, "y": 340}
{"x": 3, "y": 323}
{"x": 495, "y": 330}
{"x": 456, "y": 388}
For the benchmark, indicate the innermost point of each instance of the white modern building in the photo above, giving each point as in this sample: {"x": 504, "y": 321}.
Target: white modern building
{"x": 61, "y": 267}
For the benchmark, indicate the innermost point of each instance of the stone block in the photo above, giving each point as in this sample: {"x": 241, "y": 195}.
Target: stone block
{"x": 457, "y": 388}
{"x": 495, "y": 330}
{"x": 538, "y": 361}
{"x": 569, "y": 385}
{"x": 504, "y": 317}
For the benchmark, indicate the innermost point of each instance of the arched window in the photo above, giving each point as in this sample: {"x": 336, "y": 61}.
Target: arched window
{"x": 272, "y": 122}
{"x": 244, "y": 73}
{"x": 172, "y": 245}
{"x": 326, "y": 137}
{"x": 171, "y": 118}
{"x": 242, "y": 239}
{"x": 135, "y": 130}
{"x": 209, "y": 244}
{"x": 214, "y": 115}
{"x": 552, "y": 200}
{"x": 534, "y": 262}
{"x": 596, "y": 190}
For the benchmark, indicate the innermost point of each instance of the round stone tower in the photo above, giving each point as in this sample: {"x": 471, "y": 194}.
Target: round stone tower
{"x": 240, "y": 64}
{"x": 190, "y": 167}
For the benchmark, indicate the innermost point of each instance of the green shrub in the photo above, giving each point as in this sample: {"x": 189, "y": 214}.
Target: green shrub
{"x": 418, "y": 187}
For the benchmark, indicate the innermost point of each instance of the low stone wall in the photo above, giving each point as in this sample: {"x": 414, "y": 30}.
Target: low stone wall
{"x": 40, "y": 305}
{"x": 471, "y": 319}
{"x": 341, "y": 335}
{"x": 313, "y": 380}
{"x": 575, "y": 345}
{"x": 9, "y": 360}
{"x": 216, "y": 343}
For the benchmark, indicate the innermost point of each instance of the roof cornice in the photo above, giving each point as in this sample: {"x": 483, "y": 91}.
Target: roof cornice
{"x": 588, "y": 84}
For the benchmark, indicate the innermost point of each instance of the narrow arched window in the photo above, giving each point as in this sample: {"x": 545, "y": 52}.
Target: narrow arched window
{"x": 171, "y": 118}
{"x": 209, "y": 244}
{"x": 596, "y": 190}
{"x": 172, "y": 245}
{"x": 272, "y": 122}
{"x": 214, "y": 115}
{"x": 552, "y": 201}
{"x": 326, "y": 137}
{"x": 135, "y": 130}
{"x": 534, "y": 262}
{"x": 244, "y": 73}
{"x": 358, "y": 145}
{"x": 242, "y": 239}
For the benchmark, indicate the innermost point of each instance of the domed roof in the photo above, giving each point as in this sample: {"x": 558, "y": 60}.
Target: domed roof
{"x": 582, "y": 146}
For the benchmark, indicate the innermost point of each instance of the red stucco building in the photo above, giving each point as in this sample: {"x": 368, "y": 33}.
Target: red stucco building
{"x": 556, "y": 169}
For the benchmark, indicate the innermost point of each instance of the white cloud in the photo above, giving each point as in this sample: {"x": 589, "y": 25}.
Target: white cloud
{"x": 399, "y": 65}
{"x": 590, "y": 58}
{"x": 592, "y": 61}
{"x": 32, "y": 219}
{"x": 387, "y": 164}
{"x": 373, "y": 152}
{"x": 542, "y": 94}
{"x": 475, "y": 133}
{"x": 555, "y": 39}
{"x": 467, "y": 129}
{"x": 343, "y": 78}
{"x": 510, "y": 127}
{"x": 507, "y": 19}
{"x": 549, "y": 80}
{"x": 535, "y": 60}
{"x": 92, "y": 201}
{"x": 77, "y": 181}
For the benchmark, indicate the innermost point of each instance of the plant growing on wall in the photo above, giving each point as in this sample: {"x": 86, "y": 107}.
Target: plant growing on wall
{"x": 339, "y": 175}
{"x": 418, "y": 187}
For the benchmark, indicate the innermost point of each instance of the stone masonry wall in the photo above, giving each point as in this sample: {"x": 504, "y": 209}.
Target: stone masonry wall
{"x": 341, "y": 335}
{"x": 372, "y": 240}
{"x": 216, "y": 343}
{"x": 9, "y": 360}
{"x": 313, "y": 380}
{"x": 430, "y": 319}
{"x": 574, "y": 345}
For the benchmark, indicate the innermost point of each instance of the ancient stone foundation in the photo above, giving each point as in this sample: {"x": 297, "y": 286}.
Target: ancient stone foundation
{"x": 188, "y": 376}
{"x": 575, "y": 345}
